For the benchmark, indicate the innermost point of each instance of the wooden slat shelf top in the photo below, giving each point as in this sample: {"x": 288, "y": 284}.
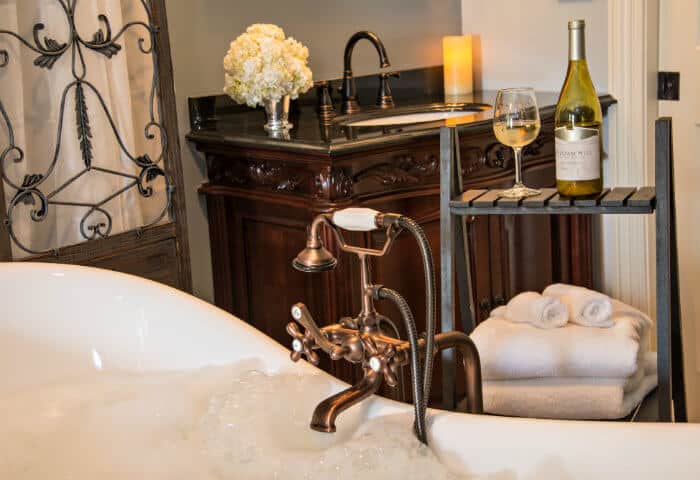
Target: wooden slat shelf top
{"x": 617, "y": 200}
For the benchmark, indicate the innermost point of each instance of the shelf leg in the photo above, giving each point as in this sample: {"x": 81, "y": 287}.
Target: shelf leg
{"x": 447, "y": 357}
{"x": 454, "y": 252}
{"x": 668, "y": 315}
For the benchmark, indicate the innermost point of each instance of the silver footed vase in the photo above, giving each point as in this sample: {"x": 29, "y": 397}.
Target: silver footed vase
{"x": 277, "y": 112}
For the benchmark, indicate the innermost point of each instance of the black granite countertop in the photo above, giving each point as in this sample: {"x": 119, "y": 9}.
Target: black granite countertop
{"x": 218, "y": 120}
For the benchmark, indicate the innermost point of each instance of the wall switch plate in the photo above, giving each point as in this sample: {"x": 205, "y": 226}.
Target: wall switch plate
{"x": 669, "y": 86}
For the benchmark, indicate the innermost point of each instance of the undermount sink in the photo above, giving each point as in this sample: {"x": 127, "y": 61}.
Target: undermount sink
{"x": 411, "y": 115}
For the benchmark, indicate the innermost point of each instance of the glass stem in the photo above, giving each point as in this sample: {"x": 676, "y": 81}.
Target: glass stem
{"x": 518, "y": 165}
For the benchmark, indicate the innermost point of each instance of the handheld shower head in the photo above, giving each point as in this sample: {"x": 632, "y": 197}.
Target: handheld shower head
{"x": 314, "y": 259}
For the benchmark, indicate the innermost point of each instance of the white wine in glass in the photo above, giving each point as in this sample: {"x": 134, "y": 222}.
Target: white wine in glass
{"x": 516, "y": 123}
{"x": 518, "y": 134}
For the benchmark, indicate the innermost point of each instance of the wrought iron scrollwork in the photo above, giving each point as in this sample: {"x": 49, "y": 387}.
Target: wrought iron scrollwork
{"x": 97, "y": 221}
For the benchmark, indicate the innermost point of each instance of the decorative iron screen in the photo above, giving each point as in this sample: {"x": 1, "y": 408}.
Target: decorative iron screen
{"x": 41, "y": 197}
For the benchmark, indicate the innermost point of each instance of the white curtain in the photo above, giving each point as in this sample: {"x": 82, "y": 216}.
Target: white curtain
{"x": 32, "y": 98}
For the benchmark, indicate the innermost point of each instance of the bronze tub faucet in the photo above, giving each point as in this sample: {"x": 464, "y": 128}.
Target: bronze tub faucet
{"x": 361, "y": 340}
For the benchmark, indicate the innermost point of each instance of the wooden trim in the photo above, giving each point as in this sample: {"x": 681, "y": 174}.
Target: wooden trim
{"x": 219, "y": 235}
{"x": 173, "y": 159}
{"x": 96, "y": 249}
{"x": 5, "y": 242}
{"x": 628, "y": 247}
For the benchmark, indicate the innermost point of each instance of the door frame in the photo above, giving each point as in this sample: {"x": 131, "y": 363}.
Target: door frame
{"x": 628, "y": 248}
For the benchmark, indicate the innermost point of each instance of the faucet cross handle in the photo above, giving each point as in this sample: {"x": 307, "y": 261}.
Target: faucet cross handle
{"x": 312, "y": 336}
{"x": 302, "y": 344}
{"x": 381, "y": 358}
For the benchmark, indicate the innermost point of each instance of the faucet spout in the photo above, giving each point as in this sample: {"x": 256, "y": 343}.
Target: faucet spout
{"x": 472, "y": 366}
{"x": 323, "y": 419}
{"x": 350, "y": 102}
{"x": 374, "y": 39}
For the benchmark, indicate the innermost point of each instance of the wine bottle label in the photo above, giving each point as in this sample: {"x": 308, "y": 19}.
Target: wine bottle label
{"x": 577, "y": 153}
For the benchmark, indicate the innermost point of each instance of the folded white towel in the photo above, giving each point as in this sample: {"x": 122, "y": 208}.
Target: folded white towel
{"x": 621, "y": 310}
{"x": 512, "y": 351}
{"x": 586, "y": 307}
{"x": 535, "y": 309}
{"x": 571, "y": 398}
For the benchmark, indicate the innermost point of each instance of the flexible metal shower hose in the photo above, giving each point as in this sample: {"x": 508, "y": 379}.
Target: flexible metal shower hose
{"x": 420, "y": 383}
{"x": 416, "y": 375}
{"x": 430, "y": 309}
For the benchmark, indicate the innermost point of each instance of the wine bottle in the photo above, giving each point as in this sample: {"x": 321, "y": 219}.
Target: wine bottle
{"x": 577, "y": 125}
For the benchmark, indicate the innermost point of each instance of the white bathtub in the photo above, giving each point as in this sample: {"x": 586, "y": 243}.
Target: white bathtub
{"x": 61, "y": 321}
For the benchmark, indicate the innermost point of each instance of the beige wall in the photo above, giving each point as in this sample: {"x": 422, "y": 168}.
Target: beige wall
{"x": 201, "y": 31}
{"x": 525, "y": 43}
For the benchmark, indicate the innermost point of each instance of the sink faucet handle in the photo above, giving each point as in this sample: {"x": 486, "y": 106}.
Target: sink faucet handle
{"x": 384, "y": 97}
{"x": 324, "y": 108}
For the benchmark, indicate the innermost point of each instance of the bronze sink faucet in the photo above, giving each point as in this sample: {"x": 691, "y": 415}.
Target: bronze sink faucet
{"x": 350, "y": 103}
{"x": 361, "y": 340}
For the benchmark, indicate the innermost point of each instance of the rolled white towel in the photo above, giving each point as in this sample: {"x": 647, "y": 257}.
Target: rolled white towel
{"x": 586, "y": 307}
{"x": 535, "y": 309}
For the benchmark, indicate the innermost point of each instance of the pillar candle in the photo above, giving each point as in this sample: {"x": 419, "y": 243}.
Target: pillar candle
{"x": 457, "y": 65}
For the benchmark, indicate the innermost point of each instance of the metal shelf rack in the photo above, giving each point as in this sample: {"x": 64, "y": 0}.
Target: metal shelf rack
{"x": 456, "y": 204}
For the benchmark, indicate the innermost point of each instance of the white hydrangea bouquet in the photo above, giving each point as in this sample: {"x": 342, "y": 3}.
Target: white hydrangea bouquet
{"x": 262, "y": 67}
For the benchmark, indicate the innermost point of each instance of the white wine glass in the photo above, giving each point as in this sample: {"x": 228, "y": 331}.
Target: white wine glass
{"x": 516, "y": 123}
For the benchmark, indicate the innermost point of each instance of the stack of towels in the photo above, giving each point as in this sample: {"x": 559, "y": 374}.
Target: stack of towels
{"x": 568, "y": 353}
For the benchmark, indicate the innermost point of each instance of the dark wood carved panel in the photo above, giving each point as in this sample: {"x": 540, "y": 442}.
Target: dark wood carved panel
{"x": 267, "y": 243}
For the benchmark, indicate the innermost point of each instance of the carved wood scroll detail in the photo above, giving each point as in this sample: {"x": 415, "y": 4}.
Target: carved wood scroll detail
{"x": 472, "y": 158}
{"x": 410, "y": 169}
{"x": 335, "y": 183}
{"x": 404, "y": 169}
{"x": 260, "y": 173}
{"x": 328, "y": 183}
{"x": 501, "y": 156}
{"x": 276, "y": 176}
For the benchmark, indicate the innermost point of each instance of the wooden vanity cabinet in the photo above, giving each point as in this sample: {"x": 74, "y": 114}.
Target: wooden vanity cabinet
{"x": 262, "y": 198}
